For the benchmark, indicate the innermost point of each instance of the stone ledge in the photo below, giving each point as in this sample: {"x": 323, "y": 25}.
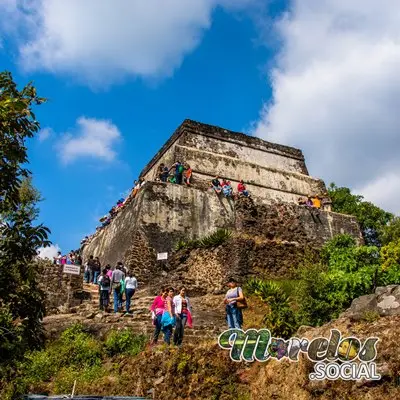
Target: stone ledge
{"x": 223, "y": 135}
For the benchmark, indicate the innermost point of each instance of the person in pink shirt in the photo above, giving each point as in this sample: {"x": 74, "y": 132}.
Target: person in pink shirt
{"x": 157, "y": 309}
{"x": 109, "y": 270}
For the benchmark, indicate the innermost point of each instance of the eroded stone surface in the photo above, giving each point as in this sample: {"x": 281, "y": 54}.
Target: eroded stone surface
{"x": 385, "y": 301}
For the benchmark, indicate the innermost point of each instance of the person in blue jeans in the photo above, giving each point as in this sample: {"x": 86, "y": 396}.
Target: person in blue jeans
{"x": 182, "y": 311}
{"x": 130, "y": 288}
{"x": 96, "y": 270}
{"x": 167, "y": 327}
{"x": 116, "y": 281}
{"x": 234, "y": 316}
{"x": 157, "y": 309}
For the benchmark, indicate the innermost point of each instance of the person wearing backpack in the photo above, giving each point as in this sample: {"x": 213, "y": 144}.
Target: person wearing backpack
{"x": 116, "y": 282}
{"x": 234, "y": 303}
{"x": 179, "y": 168}
{"x": 105, "y": 287}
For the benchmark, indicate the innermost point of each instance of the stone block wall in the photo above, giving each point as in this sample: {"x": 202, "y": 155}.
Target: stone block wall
{"x": 206, "y": 270}
{"x": 269, "y": 238}
{"x": 271, "y": 171}
{"x": 164, "y": 213}
{"x": 62, "y": 290}
{"x": 292, "y": 223}
{"x": 264, "y": 182}
{"x": 245, "y": 150}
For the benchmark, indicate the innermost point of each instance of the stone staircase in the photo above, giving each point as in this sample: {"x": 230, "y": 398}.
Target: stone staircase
{"x": 208, "y": 320}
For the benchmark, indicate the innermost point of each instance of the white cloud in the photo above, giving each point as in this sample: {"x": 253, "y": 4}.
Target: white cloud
{"x": 101, "y": 41}
{"x": 44, "y": 134}
{"x": 93, "y": 138}
{"x": 49, "y": 252}
{"x": 336, "y": 92}
{"x": 384, "y": 191}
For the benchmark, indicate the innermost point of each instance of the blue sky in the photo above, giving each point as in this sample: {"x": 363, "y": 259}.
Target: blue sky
{"x": 120, "y": 80}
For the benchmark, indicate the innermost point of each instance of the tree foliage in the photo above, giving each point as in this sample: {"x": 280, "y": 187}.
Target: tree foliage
{"x": 17, "y": 123}
{"x": 280, "y": 318}
{"x": 21, "y": 301}
{"x": 371, "y": 218}
{"x": 29, "y": 197}
{"x": 345, "y": 271}
{"x": 391, "y": 231}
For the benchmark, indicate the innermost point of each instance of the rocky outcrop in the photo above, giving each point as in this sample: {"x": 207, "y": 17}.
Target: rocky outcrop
{"x": 286, "y": 380}
{"x": 385, "y": 301}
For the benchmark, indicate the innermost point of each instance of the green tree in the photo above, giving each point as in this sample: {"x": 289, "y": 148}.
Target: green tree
{"x": 371, "y": 218}
{"x": 29, "y": 196}
{"x": 390, "y": 264}
{"x": 21, "y": 302}
{"x": 391, "y": 231}
{"x": 344, "y": 272}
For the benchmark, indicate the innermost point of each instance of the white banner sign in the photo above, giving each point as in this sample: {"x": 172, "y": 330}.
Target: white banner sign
{"x": 162, "y": 256}
{"x": 72, "y": 269}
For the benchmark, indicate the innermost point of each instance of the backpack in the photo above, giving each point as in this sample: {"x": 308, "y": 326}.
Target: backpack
{"x": 180, "y": 168}
{"x": 241, "y": 304}
{"x": 105, "y": 282}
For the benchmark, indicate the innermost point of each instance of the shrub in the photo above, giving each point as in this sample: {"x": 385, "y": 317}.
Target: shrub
{"x": 345, "y": 272}
{"x": 390, "y": 255}
{"x": 124, "y": 342}
{"x": 76, "y": 347}
{"x": 215, "y": 239}
{"x": 280, "y": 319}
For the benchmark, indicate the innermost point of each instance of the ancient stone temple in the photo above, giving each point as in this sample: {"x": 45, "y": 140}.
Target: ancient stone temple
{"x": 163, "y": 213}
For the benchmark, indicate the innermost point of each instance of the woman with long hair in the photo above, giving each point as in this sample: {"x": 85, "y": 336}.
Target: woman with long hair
{"x": 183, "y": 311}
{"x": 157, "y": 309}
{"x": 234, "y": 316}
{"x": 168, "y": 317}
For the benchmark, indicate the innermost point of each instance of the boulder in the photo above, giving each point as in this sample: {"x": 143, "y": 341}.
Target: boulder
{"x": 384, "y": 302}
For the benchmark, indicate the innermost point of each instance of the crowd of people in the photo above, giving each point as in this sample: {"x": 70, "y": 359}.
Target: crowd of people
{"x": 178, "y": 173}
{"x": 117, "y": 208}
{"x": 225, "y": 187}
{"x": 72, "y": 258}
{"x": 170, "y": 312}
{"x": 121, "y": 283}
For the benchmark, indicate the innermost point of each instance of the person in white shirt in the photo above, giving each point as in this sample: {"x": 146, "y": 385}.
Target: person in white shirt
{"x": 57, "y": 260}
{"x": 183, "y": 311}
{"x": 130, "y": 288}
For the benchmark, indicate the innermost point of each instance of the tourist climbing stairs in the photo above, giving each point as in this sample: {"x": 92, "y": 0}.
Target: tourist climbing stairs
{"x": 208, "y": 322}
